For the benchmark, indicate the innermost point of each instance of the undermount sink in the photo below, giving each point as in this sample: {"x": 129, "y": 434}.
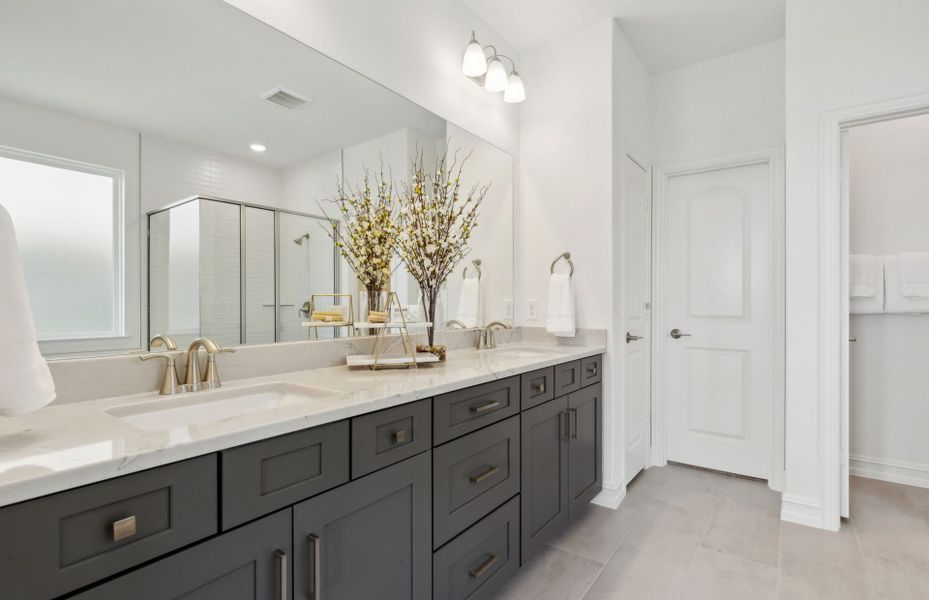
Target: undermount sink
{"x": 519, "y": 351}
{"x": 197, "y": 408}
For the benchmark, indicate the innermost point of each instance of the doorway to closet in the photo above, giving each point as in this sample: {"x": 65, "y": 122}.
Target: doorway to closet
{"x": 885, "y": 188}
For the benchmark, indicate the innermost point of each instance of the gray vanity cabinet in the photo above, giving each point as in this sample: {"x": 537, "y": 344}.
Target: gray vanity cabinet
{"x": 369, "y": 538}
{"x": 585, "y": 446}
{"x": 544, "y": 474}
{"x": 249, "y": 563}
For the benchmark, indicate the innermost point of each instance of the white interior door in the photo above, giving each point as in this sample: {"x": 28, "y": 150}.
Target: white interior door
{"x": 845, "y": 328}
{"x": 636, "y": 315}
{"x": 720, "y": 317}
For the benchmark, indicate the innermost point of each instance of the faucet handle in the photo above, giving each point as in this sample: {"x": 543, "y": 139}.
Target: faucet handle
{"x": 169, "y": 383}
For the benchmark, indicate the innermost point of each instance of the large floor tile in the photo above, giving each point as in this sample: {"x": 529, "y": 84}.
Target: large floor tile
{"x": 744, "y": 532}
{"x": 806, "y": 578}
{"x": 552, "y": 575}
{"x": 668, "y": 531}
{"x": 633, "y": 575}
{"x": 896, "y": 581}
{"x": 839, "y": 547}
{"x": 684, "y": 487}
{"x": 714, "y": 576}
{"x": 598, "y": 533}
{"x": 885, "y": 532}
{"x": 752, "y": 494}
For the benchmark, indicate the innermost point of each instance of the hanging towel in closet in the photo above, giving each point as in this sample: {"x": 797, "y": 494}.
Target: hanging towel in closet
{"x": 914, "y": 274}
{"x": 895, "y": 301}
{"x": 866, "y": 284}
{"x": 561, "y": 320}
{"x": 25, "y": 381}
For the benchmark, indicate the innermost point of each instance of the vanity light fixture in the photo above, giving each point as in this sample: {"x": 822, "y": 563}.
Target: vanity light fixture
{"x": 490, "y": 72}
{"x": 258, "y": 147}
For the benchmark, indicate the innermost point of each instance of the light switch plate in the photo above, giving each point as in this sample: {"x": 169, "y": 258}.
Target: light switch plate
{"x": 532, "y": 310}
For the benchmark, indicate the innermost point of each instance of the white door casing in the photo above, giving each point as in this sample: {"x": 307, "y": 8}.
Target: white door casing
{"x": 636, "y": 298}
{"x": 719, "y": 380}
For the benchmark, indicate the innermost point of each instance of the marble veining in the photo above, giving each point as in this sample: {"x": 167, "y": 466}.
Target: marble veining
{"x": 64, "y": 446}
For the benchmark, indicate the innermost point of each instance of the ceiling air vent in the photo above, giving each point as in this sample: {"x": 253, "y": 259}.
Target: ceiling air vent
{"x": 285, "y": 98}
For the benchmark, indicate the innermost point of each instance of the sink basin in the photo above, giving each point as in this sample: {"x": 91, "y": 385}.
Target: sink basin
{"x": 520, "y": 351}
{"x": 197, "y": 408}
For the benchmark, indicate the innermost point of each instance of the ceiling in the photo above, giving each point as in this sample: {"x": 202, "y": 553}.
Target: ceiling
{"x": 192, "y": 71}
{"x": 666, "y": 34}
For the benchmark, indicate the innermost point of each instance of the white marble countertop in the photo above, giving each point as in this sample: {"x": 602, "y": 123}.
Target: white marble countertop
{"x": 69, "y": 445}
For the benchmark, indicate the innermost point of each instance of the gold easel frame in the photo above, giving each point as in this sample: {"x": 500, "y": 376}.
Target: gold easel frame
{"x": 313, "y": 326}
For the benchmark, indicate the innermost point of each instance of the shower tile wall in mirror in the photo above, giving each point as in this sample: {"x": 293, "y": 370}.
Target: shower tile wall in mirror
{"x": 128, "y": 131}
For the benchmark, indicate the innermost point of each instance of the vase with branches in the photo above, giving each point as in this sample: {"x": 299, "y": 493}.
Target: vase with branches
{"x": 436, "y": 220}
{"x": 368, "y": 236}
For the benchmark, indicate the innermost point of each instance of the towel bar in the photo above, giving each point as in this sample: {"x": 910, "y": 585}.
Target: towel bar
{"x": 567, "y": 257}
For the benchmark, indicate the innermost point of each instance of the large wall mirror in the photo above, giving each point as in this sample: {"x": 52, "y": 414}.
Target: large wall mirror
{"x": 170, "y": 168}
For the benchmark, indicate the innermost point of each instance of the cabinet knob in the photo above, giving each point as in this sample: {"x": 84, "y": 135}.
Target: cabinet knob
{"x": 400, "y": 436}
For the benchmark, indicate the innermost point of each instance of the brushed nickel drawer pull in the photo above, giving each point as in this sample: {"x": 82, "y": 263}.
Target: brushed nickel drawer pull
{"x": 484, "y": 566}
{"x": 592, "y": 368}
{"x": 539, "y": 387}
{"x": 482, "y": 408}
{"x": 315, "y": 567}
{"x": 280, "y": 558}
{"x": 490, "y": 472}
{"x": 572, "y": 419}
{"x": 400, "y": 436}
{"x": 124, "y": 528}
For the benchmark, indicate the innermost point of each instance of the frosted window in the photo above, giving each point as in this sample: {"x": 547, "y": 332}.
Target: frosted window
{"x": 67, "y": 224}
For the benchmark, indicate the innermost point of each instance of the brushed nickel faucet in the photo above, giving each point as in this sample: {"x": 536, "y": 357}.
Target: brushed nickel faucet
{"x": 210, "y": 379}
{"x": 486, "y": 339}
{"x": 169, "y": 383}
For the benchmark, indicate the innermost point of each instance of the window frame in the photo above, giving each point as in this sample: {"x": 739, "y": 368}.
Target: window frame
{"x": 117, "y": 337}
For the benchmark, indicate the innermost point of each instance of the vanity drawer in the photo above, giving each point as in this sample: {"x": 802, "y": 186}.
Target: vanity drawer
{"x": 463, "y": 411}
{"x": 473, "y": 475}
{"x": 477, "y": 563}
{"x": 260, "y": 478}
{"x": 591, "y": 370}
{"x": 380, "y": 439}
{"x": 537, "y": 387}
{"x": 61, "y": 542}
{"x": 567, "y": 378}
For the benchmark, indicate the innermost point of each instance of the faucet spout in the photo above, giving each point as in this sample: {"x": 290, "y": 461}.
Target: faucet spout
{"x": 487, "y": 340}
{"x": 209, "y": 377}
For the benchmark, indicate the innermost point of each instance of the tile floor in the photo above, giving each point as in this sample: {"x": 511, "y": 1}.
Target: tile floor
{"x": 684, "y": 533}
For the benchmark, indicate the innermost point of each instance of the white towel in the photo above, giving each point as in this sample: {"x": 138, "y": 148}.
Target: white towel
{"x": 895, "y": 302}
{"x": 866, "y": 284}
{"x": 25, "y": 381}
{"x": 469, "y": 302}
{"x": 914, "y": 275}
{"x": 561, "y": 320}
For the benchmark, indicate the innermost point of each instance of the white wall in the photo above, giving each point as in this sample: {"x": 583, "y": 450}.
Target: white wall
{"x": 720, "y": 106}
{"x": 889, "y": 213}
{"x": 839, "y": 54}
{"x": 413, "y": 47}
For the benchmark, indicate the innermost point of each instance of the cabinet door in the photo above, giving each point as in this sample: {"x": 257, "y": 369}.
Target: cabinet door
{"x": 585, "y": 446}
{"x": 544, "y": 474}
{"x": 369, "y": 538}
{"x": 249, "y": 563}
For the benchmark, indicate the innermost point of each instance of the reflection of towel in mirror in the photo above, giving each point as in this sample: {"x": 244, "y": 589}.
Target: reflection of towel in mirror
{"x": 561, "y": 318}
{"x": 25, "y": 381}
{"x": 469, "y": 302}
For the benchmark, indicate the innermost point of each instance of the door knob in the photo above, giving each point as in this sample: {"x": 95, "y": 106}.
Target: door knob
{"x": 853, "y": 339}
{"x": 677, "y": 334}
{"x": 632, "y": 338}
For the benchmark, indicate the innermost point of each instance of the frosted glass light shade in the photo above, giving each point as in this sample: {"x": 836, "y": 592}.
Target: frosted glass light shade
{"x": 515, "y": 91}
{"x": 474, "y": 64}
{"x": 496, "y": 76}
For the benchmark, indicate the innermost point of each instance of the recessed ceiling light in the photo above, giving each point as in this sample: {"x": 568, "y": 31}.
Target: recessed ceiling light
{"x": 257, "y": 148}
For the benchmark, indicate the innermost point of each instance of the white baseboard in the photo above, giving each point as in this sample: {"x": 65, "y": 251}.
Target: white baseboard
{"x": 802, "y": 510}
{"x": 894, "y": 471}
{"x": 610, "y": 496}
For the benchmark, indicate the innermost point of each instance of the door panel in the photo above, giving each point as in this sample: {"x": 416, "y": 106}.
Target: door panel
{"x": 637, "y": 317}
{"x": 720, "y": 290}
{"x": 585, "y": 416}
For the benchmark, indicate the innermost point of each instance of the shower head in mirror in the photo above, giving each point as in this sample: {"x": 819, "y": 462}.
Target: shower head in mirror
{"x": 299, "y": 240}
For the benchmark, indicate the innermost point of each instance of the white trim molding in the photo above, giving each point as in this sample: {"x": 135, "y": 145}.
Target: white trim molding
{"x": 802, "y": 510}
{"x": 894, "y": 471}
{"x": 831, "y": 345}
{"x": 774, "y": 158}
{"x": 611, "y": 495}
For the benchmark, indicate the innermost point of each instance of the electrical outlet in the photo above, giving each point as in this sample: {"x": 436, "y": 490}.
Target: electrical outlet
{"x": 508, "y": 309}
{"x": 532, "y": 310}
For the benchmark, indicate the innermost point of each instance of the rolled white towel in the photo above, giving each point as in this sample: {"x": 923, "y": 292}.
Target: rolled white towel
{"x": 914, "y": 274}
{"x": 561, "y": 321}
{"x": 865, "y": 275}
{"x": 25, "y": 381}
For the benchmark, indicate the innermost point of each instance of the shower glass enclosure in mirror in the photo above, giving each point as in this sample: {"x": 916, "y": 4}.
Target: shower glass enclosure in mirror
{"x": 170, "y": 167}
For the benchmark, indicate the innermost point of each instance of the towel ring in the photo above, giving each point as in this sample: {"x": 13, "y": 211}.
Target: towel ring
{"x": 477, "y": 265}
{"x": 567, "y": 257}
